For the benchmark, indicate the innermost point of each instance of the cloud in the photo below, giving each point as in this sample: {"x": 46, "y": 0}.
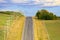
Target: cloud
{"x": 33, "y": 2}
{"x": 52, "y": 3}
{"x": 37, "y": 1}
{"x": 48, "y": 0}
{"x": 57, "y": 2}
{"x": 2, "y": 1}
{"x": 19, "y": 1}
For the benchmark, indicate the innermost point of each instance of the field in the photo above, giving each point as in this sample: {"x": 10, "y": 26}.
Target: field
{"x": 7, "y": 22}
{"x": 46, "y": 29}
{"x": 53, "y": 27}
{"x": 3, "y": 23}
{"x": 16, "y": 29}
{"x": 40, "y": 32}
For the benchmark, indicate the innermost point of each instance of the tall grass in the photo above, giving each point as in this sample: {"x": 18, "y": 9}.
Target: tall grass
{"x": 6, "y": 19}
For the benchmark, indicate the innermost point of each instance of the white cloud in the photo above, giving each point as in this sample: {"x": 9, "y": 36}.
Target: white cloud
{"x": 35, "y": 2}
{"x": 48, "y": 0}
{"x": 19, "y": 1}
{"x": 57, "y": 2}
{"x": 38, "y": 1}
{"x": 44, "y": 2}
{"x": 52, "y": 3}
{"x": 2, "y": 1}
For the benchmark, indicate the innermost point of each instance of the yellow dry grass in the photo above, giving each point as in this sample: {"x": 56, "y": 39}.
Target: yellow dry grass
{"x": 40, "y": 32}
{"x": 15, "y": 30}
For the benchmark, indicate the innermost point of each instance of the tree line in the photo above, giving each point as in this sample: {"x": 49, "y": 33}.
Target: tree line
{"x": 46, "y": 15}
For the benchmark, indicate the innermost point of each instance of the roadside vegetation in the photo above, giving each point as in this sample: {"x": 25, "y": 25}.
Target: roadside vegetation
{"x": 46, "y": 26}
{"x": 16, "y": 29}
{"x": 40, "y": 32}
{"x": 6, "y": 20}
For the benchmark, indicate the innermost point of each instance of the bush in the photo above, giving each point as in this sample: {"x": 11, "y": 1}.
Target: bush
{"x": 45, "y": 15}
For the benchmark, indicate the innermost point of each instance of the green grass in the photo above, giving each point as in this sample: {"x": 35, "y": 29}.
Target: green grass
{"x": 1, "y": 34}
{"x": 4, "y": 17}
{"x": 3, "y": 23}
{"x": 53, "y": 27}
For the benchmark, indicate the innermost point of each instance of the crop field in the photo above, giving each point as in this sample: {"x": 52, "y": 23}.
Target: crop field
{"x": 53, "y": 28}
{"x": 46, "y": 29}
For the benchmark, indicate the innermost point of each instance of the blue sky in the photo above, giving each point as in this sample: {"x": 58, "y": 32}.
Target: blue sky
{"x": 30, "y": 7}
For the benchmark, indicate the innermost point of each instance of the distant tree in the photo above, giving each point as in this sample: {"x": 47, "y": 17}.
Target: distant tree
{"x": 45, "y": 15}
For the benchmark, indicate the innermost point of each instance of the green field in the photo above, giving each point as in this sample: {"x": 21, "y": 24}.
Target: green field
{"x": 3, "y": 19}
{"x": 53, "y": 28}
{"x": 6, "y": 19}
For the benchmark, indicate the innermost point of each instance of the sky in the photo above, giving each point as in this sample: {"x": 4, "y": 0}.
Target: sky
{"x": 30, "y": 7}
